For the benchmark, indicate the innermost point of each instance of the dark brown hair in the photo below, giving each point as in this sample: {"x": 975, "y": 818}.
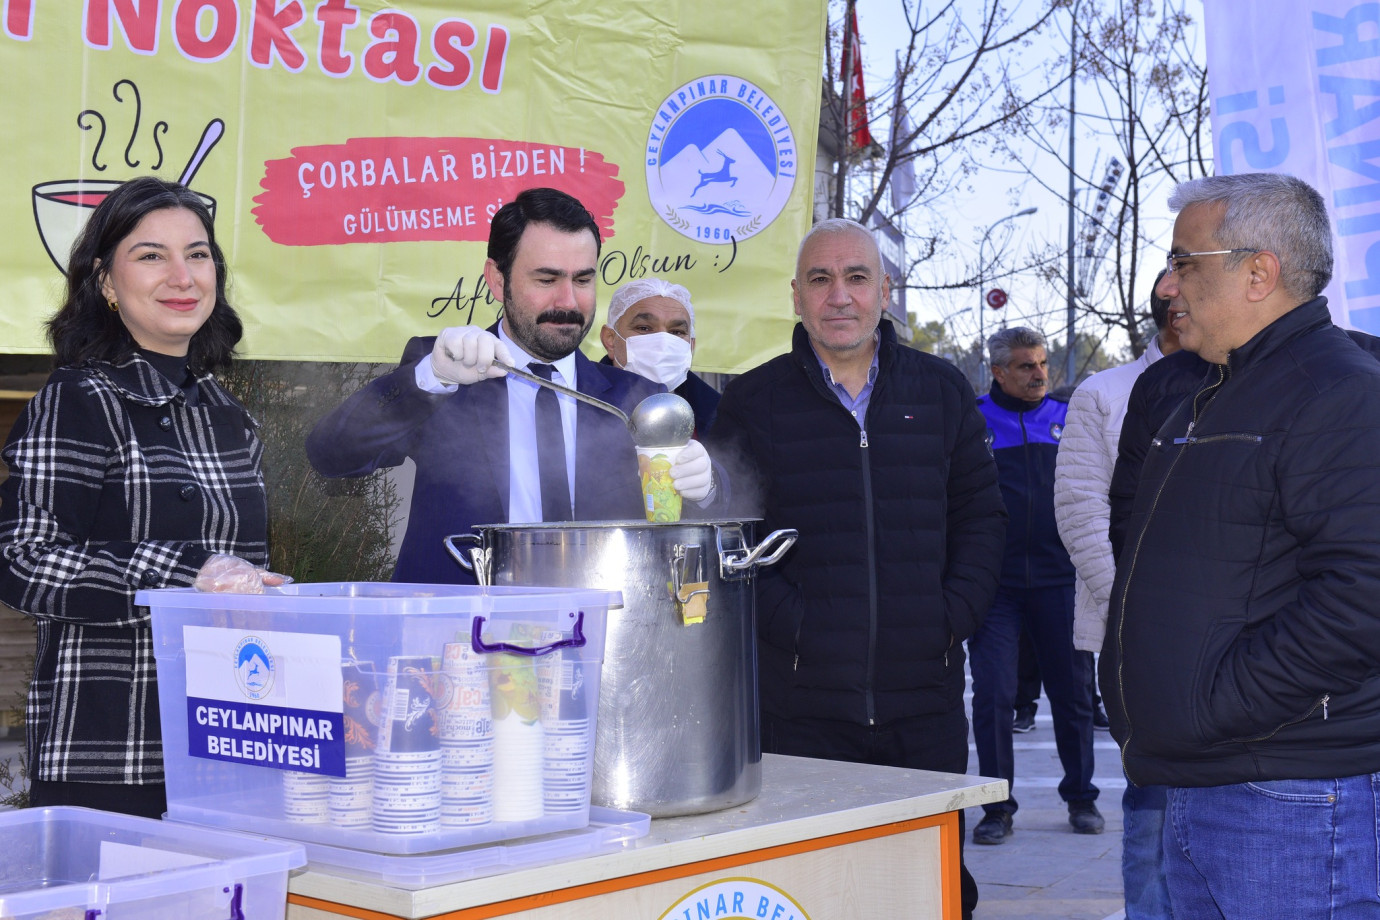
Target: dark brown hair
{"x": 536, "y": 206}
{"x": 85, "y": 328}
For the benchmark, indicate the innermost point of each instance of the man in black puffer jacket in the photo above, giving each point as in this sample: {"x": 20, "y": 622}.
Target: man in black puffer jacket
{"x": 876, "y": 454}
{"x": 1242, "y": 660}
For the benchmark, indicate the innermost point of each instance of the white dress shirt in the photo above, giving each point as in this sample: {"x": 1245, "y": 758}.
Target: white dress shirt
{"x": 524, "y": 475}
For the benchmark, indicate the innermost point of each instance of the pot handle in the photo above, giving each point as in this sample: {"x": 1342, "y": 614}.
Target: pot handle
{"x": 478, "y": 562}
{"x": 768, "y": 552}
{"x": 576, "y": 640}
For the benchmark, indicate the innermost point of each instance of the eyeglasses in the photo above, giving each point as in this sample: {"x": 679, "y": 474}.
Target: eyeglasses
{"x": 1175, "y": 259}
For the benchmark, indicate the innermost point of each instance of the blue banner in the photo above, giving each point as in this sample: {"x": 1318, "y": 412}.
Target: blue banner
{"x": 1296, "y": 90}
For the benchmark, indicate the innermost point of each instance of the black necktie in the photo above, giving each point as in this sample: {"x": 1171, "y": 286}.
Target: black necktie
{"x": 555, "y": 485}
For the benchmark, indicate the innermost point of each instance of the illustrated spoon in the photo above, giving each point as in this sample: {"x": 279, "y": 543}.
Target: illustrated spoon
{"x": 209, "y": 137}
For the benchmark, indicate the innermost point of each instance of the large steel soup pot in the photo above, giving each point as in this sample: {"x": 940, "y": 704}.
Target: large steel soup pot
{"x": 677, "y": 730}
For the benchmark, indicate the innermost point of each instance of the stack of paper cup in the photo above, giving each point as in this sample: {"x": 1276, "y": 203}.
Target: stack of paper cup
{"x": 351, "y": 796}
{"x": 407, "y": 764}
{"x": 565, "y": 724}
{"x": 519, "y": 742}
{"x": 305, "y": 797}
{"x": 467, "y": 738}
{"x": 518, "y": 747}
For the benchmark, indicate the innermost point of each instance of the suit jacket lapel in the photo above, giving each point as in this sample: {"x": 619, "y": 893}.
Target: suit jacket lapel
{"x": 594, "y": 426}
{"x": 489, "y": 398}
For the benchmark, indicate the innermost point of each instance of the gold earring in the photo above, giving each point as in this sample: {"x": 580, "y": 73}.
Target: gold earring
{"x": 114, "y": 306}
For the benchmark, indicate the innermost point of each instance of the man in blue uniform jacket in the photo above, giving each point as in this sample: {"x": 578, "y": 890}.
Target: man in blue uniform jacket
{"x": 488, "y": 448}
{"x": 1024, "y": 423}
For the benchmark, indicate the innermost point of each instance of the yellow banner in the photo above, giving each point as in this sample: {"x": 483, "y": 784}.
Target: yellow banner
{"x": 355, "y": 152}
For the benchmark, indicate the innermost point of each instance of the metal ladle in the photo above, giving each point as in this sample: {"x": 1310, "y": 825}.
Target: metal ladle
{"x": 660, "y": 420}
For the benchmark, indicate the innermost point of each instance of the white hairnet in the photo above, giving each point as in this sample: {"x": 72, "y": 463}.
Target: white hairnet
{"x": 641, "y": 289}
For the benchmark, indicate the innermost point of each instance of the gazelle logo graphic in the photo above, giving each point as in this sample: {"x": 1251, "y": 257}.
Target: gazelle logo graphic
{"x": 721, "y": 160}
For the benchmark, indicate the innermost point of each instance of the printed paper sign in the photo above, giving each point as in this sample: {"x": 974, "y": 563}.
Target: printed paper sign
{"x": 736, "y": 899}
{"x": 267, "y": 698}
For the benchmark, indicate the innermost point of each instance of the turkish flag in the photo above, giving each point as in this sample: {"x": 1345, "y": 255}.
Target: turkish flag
{"x": 858, "y": 134}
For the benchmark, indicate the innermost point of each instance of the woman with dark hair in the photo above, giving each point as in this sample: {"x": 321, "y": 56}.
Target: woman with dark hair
{"x": 131, "y": 468}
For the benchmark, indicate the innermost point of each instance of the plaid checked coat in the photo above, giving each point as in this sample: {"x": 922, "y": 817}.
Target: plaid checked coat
{"x": 116, "y": 484}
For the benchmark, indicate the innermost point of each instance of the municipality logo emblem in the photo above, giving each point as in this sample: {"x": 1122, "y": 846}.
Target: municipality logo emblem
{"x": 737, "y": 899}
{"x": 254, "y": 667}
{"x": 721, "y": 160}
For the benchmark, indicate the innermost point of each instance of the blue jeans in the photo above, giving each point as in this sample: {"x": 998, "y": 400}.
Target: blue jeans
{"x": 1305, "y": 849}
{"x": 1142, "y": 853}
{"x": 993, "y": 651}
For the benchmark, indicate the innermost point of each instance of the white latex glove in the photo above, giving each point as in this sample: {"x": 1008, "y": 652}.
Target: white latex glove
{"x": 692, "y": 474}
{"x": 465, "y": 355}
{"x": 225, "y": 574}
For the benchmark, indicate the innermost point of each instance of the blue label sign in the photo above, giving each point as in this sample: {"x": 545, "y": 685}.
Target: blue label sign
{"x": 304, "y": 740}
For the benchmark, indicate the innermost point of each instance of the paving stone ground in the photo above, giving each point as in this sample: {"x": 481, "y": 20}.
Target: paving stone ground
{"x": 1044, "y": 870}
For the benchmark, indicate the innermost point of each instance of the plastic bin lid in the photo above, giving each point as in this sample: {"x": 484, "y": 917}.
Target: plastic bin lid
{"x": 387, "y": 598}
{"x": 102, "y": 849}
{"x": 608, "y": 831}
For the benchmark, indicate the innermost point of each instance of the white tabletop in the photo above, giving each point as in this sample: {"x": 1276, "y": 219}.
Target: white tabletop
{"x": 801, "y": 799}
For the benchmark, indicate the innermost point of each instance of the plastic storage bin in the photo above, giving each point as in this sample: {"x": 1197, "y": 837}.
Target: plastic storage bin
{"x": 83, "y": 864}
{"x": 391, "y": 718}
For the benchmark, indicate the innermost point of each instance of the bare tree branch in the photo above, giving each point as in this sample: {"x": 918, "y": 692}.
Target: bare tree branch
{"x": 1151, "y": 107}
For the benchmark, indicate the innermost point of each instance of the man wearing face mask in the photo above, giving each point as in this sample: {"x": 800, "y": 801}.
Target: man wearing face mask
{"x": 651, "y": 332}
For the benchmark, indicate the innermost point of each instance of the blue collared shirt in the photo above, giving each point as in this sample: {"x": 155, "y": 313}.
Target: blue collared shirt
{"x": 855, "y": 404}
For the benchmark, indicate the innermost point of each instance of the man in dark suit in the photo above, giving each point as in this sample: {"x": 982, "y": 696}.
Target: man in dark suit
{"x": 487, "y": 447}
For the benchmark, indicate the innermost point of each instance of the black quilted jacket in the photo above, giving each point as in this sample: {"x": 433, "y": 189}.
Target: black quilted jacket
{"x": 901, "y": 532}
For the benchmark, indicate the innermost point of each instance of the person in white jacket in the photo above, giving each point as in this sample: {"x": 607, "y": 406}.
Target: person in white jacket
{"x": 1083, "y": 474}
{"x": 1082, "y": 477}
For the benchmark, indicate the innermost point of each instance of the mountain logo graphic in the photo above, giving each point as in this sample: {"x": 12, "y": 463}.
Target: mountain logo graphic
{"x": 254, "y": 667}
{"x": 721, "y": 160}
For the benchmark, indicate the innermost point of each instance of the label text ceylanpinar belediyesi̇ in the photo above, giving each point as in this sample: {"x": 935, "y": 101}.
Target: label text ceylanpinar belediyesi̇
{"x": 268, "y": 751}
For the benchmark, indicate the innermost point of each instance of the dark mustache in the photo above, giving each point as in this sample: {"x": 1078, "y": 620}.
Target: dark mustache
{"x": 564, "y": 317}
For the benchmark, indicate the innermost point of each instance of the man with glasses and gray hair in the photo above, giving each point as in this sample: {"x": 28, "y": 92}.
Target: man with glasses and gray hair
{"x": 1242, "y": 662}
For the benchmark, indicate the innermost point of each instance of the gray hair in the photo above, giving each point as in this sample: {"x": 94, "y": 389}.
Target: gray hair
{"x": 837, "y": 225}
{"x": 1274, "y": 212}
{"x": 1002, "y": 342}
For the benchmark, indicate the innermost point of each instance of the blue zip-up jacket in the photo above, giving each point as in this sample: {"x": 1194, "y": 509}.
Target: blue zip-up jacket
{"x": 1025, "y": 442}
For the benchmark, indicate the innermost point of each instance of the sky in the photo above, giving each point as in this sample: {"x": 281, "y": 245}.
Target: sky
{"x": 1001, "y": 190}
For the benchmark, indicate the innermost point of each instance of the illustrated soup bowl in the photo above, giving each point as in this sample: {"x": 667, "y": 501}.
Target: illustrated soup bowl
{"x": 61, "y": 210}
